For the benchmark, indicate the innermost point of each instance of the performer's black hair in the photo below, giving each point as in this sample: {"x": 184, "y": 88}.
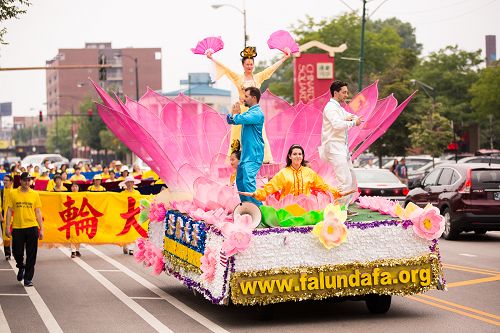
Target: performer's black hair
{"x": 289, "y": 160}
{"x": 255, "y": 92}
{"x": 337, "y": 85}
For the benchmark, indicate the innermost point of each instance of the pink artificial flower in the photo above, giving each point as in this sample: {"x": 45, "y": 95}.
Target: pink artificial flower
{"x": 139, "y": 255}
{"x": 208, "y": 264}
{"x": 386, "y": 207}
{"x": 237, "y": 235}
{"x": 140, "y": 242}
{"x": 157, "y": 212}
{"x": 159, "y": 265}
{"x": 428, "y": 223}
{"x": 332, "y": 230}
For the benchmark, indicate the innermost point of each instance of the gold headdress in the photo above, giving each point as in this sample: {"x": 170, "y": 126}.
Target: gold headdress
{"x": 235, "y": 146}
{"x": 249, "y": 52}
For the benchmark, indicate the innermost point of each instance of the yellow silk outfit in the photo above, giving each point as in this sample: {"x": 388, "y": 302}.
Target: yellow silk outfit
{"x": 241, "y": 83}
{"x": 296, "y": 182}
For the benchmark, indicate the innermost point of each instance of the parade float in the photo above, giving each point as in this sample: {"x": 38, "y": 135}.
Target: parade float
{"x": 293, "y": 249}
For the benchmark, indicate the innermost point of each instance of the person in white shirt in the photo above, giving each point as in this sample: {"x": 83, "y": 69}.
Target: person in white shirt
{"x": 334, "y": 146}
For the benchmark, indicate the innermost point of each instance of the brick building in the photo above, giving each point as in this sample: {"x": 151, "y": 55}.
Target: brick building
{"x": 67, "y": 88}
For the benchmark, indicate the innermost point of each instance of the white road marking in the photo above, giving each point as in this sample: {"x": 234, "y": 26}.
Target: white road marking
{"x": 40, "y": 306}
{"x": 108, "y": 270}
{"x": 467, "y": 255}
{"x": 5, "y": 269}
{"x": 134, "y": 306}
{"x": 141, "y": 297}
{"x": 14, "y": 295}
{"x": 172, "y": 300}
{"x": 4, "y": 325}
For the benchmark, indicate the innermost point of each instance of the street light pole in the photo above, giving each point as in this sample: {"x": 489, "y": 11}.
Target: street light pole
{"x": 362, "y": 48}
{"x": 136, "y": 70}
{"x": 243, "y": 12}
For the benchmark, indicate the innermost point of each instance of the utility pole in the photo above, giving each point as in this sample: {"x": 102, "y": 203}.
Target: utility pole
{"x": 362, "y": 48}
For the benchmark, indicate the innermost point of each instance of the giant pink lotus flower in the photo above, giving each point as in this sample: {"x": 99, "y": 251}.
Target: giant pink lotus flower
{"x": 428, "y": 223}
{"x": 332, "y": 231}
{"x": 237, "y": 234}
{"x": 208, "y": 264}
{"x": 182, "y": 139}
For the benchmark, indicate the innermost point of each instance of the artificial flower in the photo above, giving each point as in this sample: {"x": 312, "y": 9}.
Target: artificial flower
{"x": 237, "y": 234}
{"x": 157, "y": 212}
{"x": 208, "y": 264}
{"x": 428, "y": 223}
{"x": 332, "y": 231}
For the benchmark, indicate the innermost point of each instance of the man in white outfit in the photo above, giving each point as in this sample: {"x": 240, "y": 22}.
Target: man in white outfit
{"x": 334, "y": 147}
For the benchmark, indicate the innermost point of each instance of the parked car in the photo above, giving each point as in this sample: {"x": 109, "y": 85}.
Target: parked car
{"x": 480, "y": 159}
{"x": 467, "y": 195}
{"x": 39, "y": 158}
{"x": 380, "y": 182}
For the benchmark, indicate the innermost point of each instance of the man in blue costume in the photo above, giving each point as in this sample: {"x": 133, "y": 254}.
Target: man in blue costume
{"x": 252, "y": 152}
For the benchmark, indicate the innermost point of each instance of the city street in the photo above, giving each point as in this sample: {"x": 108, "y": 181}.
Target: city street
{"x": 106, "y": 291}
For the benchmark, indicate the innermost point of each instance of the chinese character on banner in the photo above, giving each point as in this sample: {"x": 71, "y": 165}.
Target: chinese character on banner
{"x": 84, "y": 219}
{"x": 129, "y": 216}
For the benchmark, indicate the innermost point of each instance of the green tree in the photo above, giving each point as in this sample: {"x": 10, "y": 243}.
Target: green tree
{"x": 90, "y": 127}
{"x": 486, "y": 103}
{"x": 451, "y": 72}
{"x": 432, "y": 133}
{"x": 10, "y": 9}
{"x": 59, "y": 138}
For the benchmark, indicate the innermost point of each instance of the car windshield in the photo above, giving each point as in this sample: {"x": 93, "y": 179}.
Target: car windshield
{"x": 375, "y": 176}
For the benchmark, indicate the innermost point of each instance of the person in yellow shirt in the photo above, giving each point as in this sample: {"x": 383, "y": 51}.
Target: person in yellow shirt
{"x": 129, "y": 184}
{"x": 105, "y": 174}
{"x": 27, "y": 227}
{"x": 136, "y": 172}
{"x": 77, "y": 177}
{"x": 8, "y": 185}
{"x": 96, "y": 186}
{"x": 294, "y": 179}
{"x": 58, "y": 184}
{"x": 36, "y": 172}
{"x": 234, "y": 160}
{"x": 150, "y": 174}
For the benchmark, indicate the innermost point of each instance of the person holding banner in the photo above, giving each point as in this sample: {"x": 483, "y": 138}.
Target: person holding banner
{"x": 8, "y": 185}
{"x": 58, "y": 184}
{"x": 75, "y": 247}
{"x": 27, "y": 227}
{"x": 129, "y": 184}
{"x": 334, "y": 144}
{"x": 96, "y": 185}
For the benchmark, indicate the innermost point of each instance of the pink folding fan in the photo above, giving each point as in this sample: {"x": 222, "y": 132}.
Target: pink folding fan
{"x": 282, "y": 40}
{"x": 208, "y": 45}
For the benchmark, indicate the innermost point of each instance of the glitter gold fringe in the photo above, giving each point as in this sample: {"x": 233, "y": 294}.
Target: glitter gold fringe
{"x": 425, "y": 261}
{"x": 176, "y": 264}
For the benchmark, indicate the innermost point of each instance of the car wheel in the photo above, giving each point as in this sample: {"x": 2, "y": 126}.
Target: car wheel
{"x": 450, "y": 230}
{"x": 480, "y": 232}
{"x": 378, "y": 304}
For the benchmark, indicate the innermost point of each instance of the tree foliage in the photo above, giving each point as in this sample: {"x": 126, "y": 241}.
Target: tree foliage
{"x": 59, "y": 137}
{"x": 432, "y": 133}
{"x": 10, "y": 9}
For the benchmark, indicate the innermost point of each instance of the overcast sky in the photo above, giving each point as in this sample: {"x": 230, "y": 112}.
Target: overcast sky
{"x": 176, "y": 26}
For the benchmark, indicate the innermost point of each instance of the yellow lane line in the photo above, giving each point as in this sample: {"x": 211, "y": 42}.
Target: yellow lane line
{"x": 475, "y": 281}
{"x": 463, "y": 313}
{"x": 486, "y": 314}
{"x": 471, "y": 269}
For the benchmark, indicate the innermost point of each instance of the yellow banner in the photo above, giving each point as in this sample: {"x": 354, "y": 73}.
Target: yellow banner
{"x": 91, "y": 217}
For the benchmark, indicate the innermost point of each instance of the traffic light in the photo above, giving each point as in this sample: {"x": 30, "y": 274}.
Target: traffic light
{"x": 89, "y": 113}
{"x": 102, "y": 70}
{"x": 40, "y": 116}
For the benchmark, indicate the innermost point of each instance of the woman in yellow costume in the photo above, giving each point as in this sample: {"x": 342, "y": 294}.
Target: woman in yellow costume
{"x": 245, "y": 80}
{"x": 296, "y": 178}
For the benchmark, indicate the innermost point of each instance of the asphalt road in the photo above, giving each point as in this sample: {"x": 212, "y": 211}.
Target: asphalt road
{"x": 106, "y": 291}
